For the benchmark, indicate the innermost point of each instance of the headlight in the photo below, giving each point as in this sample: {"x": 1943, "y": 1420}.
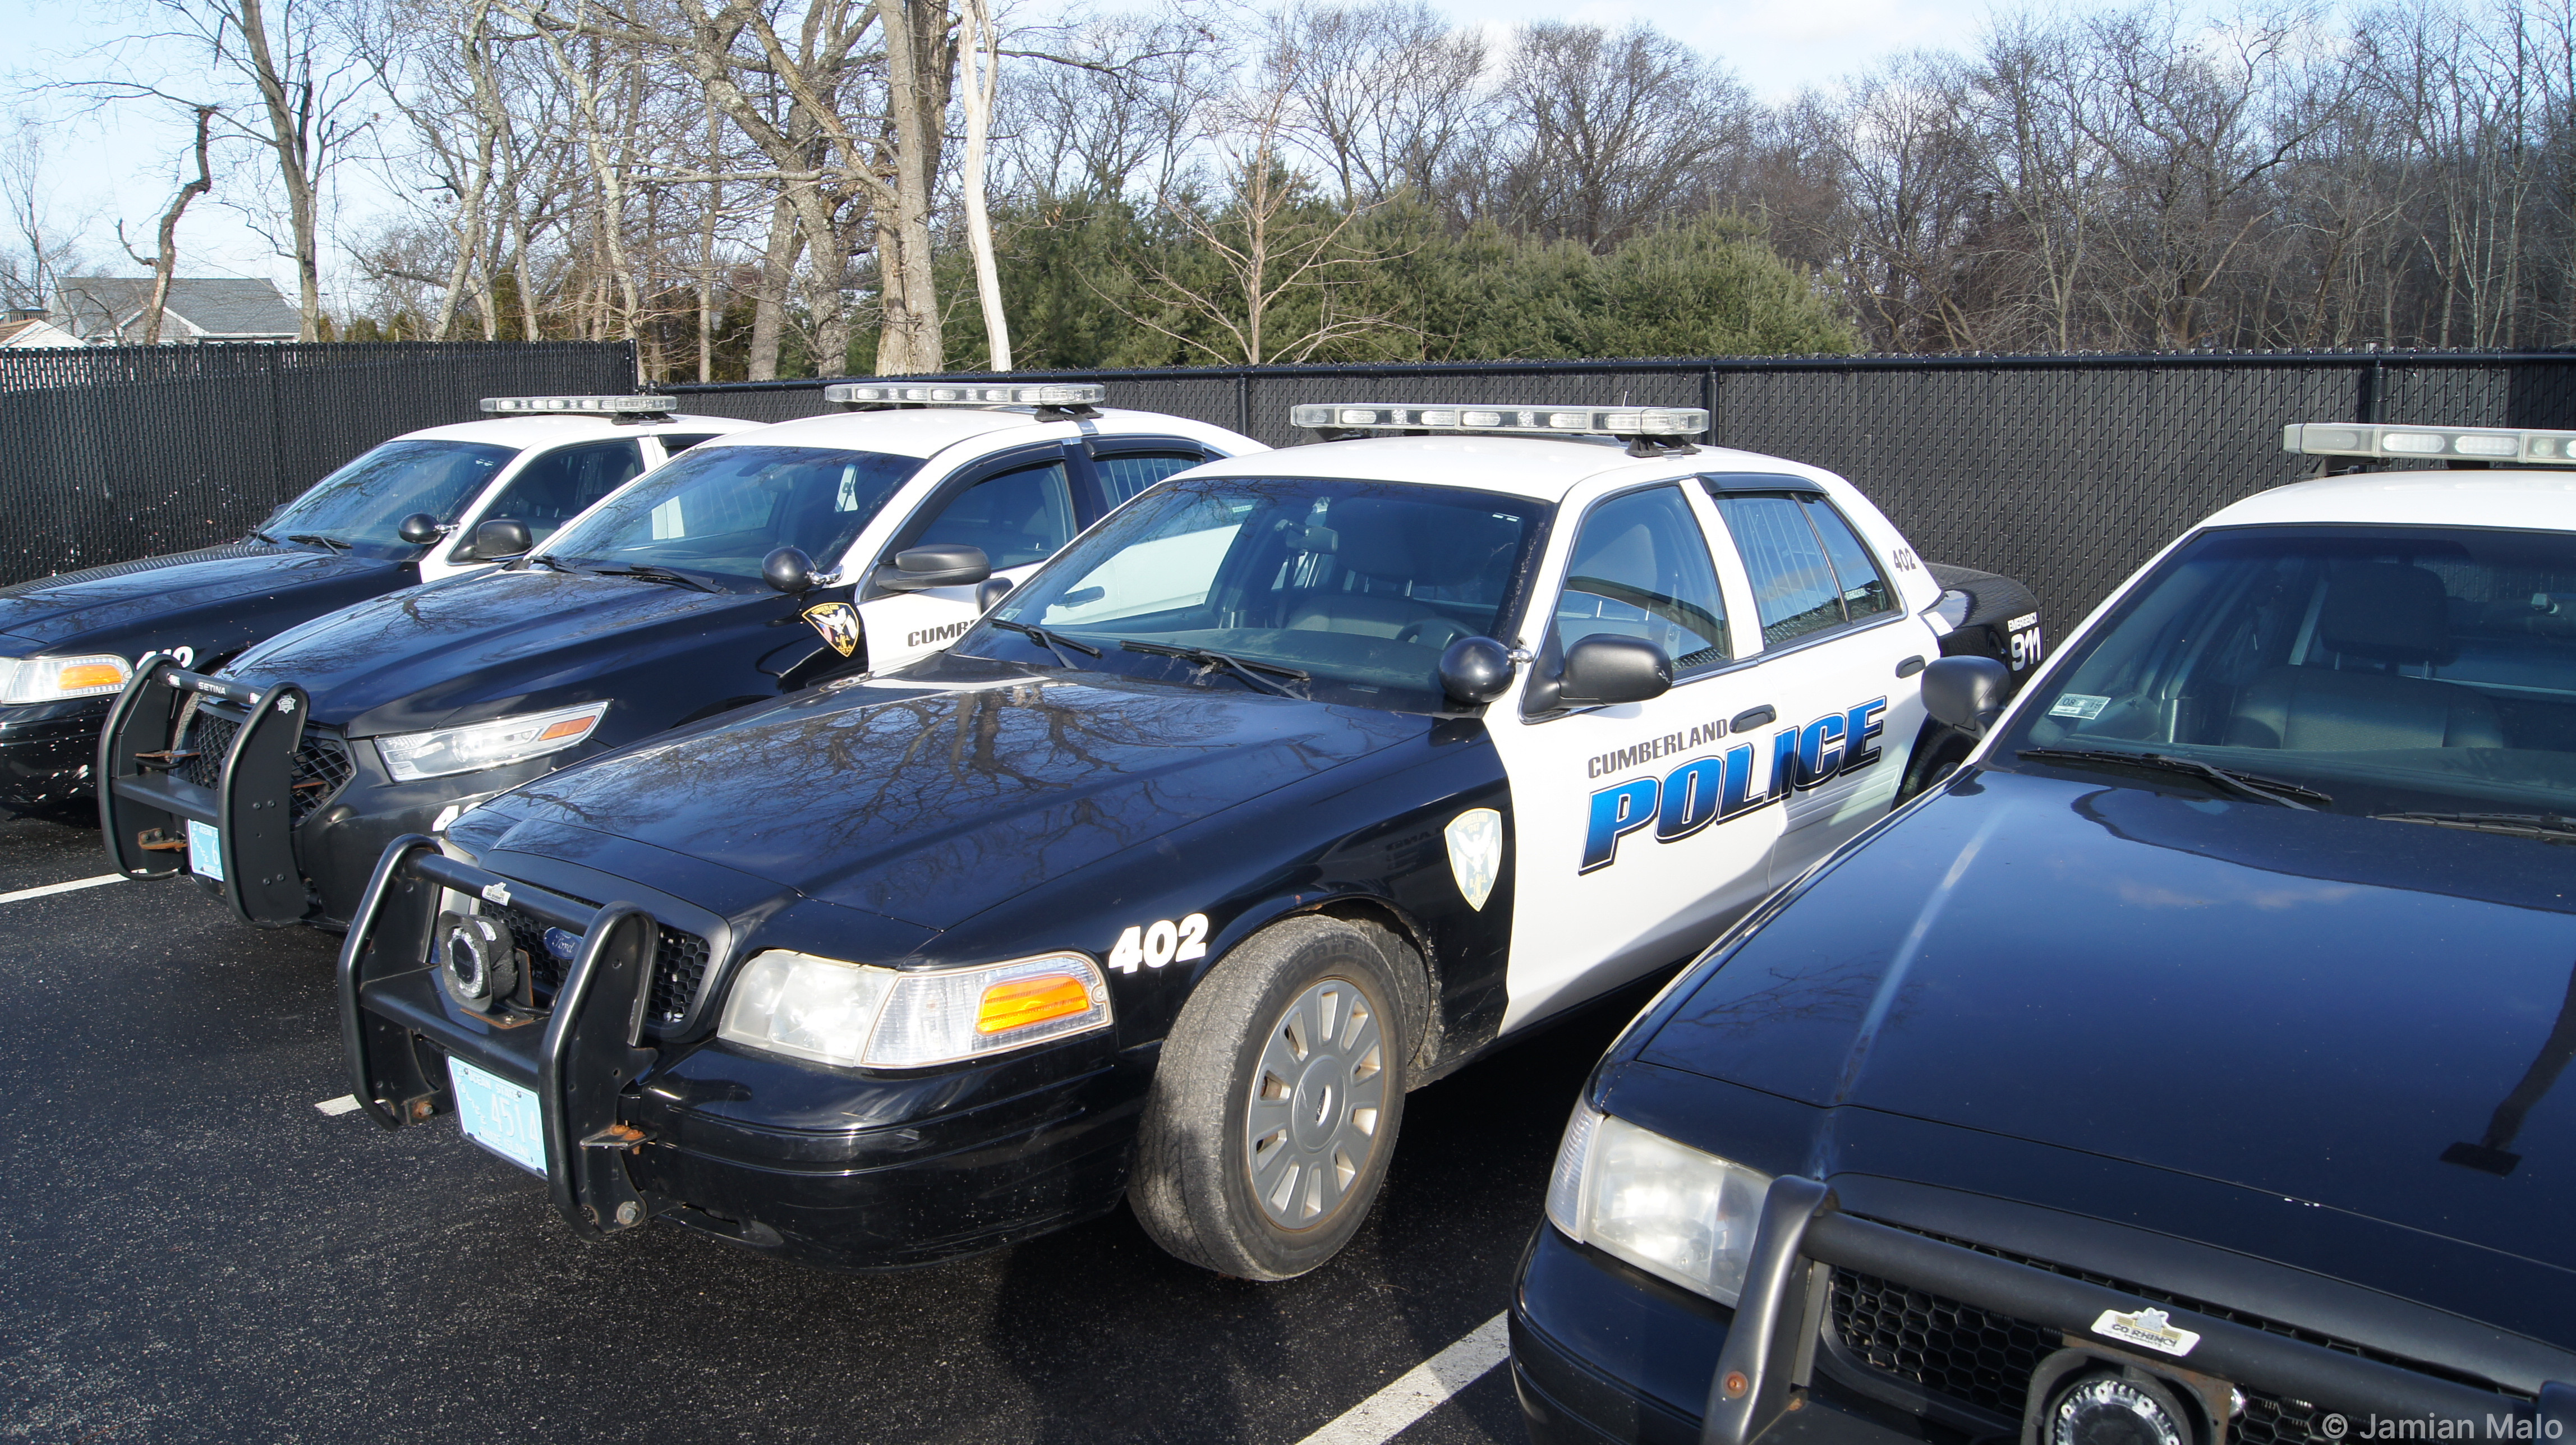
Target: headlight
{"x": 51, "y": 679}
{"x": 851, "y": 1014}
{"x": 413, "y": 756}
{"x": 1668, "y": 1209}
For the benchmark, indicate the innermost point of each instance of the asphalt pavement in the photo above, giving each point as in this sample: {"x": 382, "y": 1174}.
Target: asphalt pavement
{"x": 191, "y": 1250}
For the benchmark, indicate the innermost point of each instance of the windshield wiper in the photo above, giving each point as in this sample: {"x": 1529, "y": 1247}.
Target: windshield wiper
{"x": 263, "y": 536}
{"x": 1055, "y": 642}
{"x": 651, "y": 573}
{"x": 2249, "y": 785}
{"x": 549, "y": 563}
{"x": 2545, "y": 827}
{"x": 316, "y": 539}
{"x": 1209, "y": 661}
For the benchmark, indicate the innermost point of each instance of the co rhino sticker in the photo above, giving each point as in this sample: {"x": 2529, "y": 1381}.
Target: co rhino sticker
{"x": 839, "y": 624}
{"x": 1716, "y": 788}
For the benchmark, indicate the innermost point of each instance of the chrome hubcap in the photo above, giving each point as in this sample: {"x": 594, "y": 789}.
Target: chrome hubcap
{"x": 1317, "y": 1097}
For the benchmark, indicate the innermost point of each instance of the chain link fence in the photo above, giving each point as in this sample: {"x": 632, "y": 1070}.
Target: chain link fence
{"x": 116, "y": 452}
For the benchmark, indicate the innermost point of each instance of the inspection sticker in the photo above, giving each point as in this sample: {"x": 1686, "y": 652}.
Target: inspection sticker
{"x": 2078, "y": 705}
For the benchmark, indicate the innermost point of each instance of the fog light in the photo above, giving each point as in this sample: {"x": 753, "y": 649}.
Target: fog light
{"x": 2109, "y": 1410}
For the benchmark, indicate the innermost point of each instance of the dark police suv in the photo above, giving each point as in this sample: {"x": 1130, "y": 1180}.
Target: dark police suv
{"x": 68, "y": 643}
{"x": 756, "y": 564}
{"x": 1299, "y": 781}
{"x": 2187, "y": 1069}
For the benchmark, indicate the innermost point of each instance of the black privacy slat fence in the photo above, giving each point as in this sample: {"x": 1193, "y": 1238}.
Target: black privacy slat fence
{"x": 114, "y": 452}
{"x": 2064, "y": 471}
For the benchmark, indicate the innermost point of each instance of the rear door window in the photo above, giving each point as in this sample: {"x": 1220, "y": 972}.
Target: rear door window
{"x": 1795, "y": 587}
{"x": 1124, "y": 476}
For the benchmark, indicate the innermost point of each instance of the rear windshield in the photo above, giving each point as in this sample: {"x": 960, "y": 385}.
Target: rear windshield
{"x": 717, "y": 511}
{"x": 362, "y": 504}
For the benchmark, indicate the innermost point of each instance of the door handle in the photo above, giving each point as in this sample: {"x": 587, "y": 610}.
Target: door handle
{"x": 1909, "y": 666}
{"x": 1752, "y": 717}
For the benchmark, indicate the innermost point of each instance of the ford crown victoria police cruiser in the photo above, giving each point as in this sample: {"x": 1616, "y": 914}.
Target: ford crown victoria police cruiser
{"x": 2191, "y": 1068}
{"x": 68, "y": 643}
{"x": 1299, "y": 781}
{"x": 690, "y": 592}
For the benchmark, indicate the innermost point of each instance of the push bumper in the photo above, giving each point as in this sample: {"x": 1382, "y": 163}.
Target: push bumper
{"x": 829, "y": 1166}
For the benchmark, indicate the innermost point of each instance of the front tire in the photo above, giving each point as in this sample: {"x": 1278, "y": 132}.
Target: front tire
{"x": 1275, "y": 1107}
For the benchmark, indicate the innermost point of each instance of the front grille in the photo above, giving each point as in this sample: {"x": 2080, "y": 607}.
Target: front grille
{"x": 321, "y": 769}
{"x": 679, "y": 962}
{"x": 1981, "y": 1359}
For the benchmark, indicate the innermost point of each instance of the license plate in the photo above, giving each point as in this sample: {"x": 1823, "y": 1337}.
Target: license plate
{"x": 499, "y": 1115}
{"x": 205, "y": 850}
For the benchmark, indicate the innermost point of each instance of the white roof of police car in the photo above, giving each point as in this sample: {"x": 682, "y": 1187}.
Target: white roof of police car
{"x": 525, "y": 432}
{"x": 2535, "y": 499}
{"x": 1542, "y": 468}
{"x": 927, "y": 431}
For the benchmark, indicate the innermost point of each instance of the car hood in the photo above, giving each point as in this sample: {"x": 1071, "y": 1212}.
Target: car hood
{"x": 97, "y": 606}
{"x": 478, "y": 644}
{"x": 2365, "y": 1016}
{"x": 932, "y": 804}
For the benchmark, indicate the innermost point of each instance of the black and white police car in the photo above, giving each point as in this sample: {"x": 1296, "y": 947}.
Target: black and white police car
{"x": 2191, "y": 1067}
{"x": 68, "y": 643}
{"x": 694, "y": 590}
{"x": 1297, "y": 782}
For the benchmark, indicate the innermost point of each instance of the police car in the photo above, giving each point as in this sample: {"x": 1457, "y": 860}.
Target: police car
{"x": 401, "y": 514}
{"x": 1298, "y": 782}
{"x": 760, "y": 562}
{"x": 2191, "y": 1067}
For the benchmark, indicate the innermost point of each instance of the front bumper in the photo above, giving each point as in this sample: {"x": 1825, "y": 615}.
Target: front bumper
{"x": 46, "y": 752}
{"x": 1601, "y": 1351}
{"x": 647, "y": 1119}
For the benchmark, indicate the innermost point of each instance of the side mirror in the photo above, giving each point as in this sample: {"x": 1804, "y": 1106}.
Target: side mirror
{"x": 945, "y": 565}
{"x": 992, "y": 590}
{"x": 499, "y": 538}
{"x": 1967, "y": 693}
{"x": 1604, "y": 670}
{"x": 788, "y": 569}
{"x": 420, "y": 529}
{"x": 1475, "y": 670}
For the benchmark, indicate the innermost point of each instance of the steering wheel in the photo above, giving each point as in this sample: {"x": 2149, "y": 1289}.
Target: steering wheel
{"x": 1449, "y": 632}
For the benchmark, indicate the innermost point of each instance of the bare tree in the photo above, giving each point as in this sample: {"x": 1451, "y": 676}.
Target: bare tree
{"x": 165, "y": 259}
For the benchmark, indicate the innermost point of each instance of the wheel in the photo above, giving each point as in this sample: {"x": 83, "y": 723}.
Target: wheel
{"x": 1276, "y": 1103}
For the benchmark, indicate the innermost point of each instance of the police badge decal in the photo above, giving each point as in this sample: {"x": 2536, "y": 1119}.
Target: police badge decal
{"x": 839, "y": 624}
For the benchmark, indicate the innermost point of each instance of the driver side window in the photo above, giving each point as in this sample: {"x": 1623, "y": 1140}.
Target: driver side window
{"x": 1641, "y": 569}
{"x": 560, "y": 485}
{"x": 1018, "y": 517}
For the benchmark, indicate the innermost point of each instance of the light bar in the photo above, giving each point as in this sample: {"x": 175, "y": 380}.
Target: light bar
{"x": 2484, "y": 444}
{"x": 1618, "y": 421}
{"x": 885, "y": 393}
{"x": 580, "y": 405}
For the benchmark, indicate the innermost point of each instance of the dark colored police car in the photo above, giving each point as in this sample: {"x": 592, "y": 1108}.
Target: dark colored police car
{"x": 691, "y": 591}
{"x": 2188, "y": 1069}
{"x": 68, "y": 643}
{"x": 1299, "y": 781}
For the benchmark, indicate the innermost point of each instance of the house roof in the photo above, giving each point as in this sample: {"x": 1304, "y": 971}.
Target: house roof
{"x": 214, "y": 307}
{"x": 35, "y": 331}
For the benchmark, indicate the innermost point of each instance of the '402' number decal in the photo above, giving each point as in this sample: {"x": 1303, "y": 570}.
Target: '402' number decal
{"x": 1160, "y": 942}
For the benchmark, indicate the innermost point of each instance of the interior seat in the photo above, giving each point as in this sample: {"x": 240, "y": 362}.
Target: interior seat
{"x": 2375, "y": 615}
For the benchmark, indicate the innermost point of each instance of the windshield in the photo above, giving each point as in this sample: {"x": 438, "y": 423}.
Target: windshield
{"x": 363, "y": 503}
{"x": 2394, "y": 669}
{"x": 1358, "y": 585}
{"x": 720, "y": 510}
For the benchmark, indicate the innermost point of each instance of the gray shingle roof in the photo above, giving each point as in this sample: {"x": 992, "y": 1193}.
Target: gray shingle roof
{"x": 218, "y": 307}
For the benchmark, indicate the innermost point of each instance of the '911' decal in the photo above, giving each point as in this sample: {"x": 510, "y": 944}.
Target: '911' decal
{"x": 1714, "y": 789}
{"x": 1160, "y": 942}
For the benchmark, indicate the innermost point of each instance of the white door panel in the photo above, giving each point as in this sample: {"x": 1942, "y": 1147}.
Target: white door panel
{"x": 908, "y": 626}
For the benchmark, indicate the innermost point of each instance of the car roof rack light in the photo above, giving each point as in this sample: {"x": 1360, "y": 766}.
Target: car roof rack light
{"x": 620, "y": 406}
{"x": 1054, "y": 400}
{"x": 1648, "y": 430}
{"x": 2429, "y": 443}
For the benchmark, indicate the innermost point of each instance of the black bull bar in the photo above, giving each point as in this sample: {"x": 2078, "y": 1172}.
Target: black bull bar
{"x": 143, "y": 809}
{"x": 1770, "y": 1348}
{"x": 578, "y": 1058}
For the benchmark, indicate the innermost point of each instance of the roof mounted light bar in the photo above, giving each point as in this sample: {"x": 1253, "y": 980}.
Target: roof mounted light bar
{"x": 581, "y": 405}
{"x": 1053, "y": 395}
{"x": 2429, "y": 443}
{"x": 1649, "y": 430}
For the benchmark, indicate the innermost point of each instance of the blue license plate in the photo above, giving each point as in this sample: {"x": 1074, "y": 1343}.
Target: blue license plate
{"x": 205, "y": 850}
{"x": 499, "y": 1115}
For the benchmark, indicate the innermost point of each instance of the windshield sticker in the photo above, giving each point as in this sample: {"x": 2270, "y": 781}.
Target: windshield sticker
{"x": 2078, "y": 705}
{"x": 1160, "y": 942}
{"x": 2151, "y": 1328}
{"x": 839, "y": 624}
{"x": 1718, "y": 788}
{"x": 1475, "y": 854}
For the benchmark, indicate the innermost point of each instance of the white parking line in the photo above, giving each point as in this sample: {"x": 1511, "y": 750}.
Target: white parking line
{"x": 1420, "y": 1390}
{"x": 339, "y": 1106}
{"x": 23, "y": 894}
